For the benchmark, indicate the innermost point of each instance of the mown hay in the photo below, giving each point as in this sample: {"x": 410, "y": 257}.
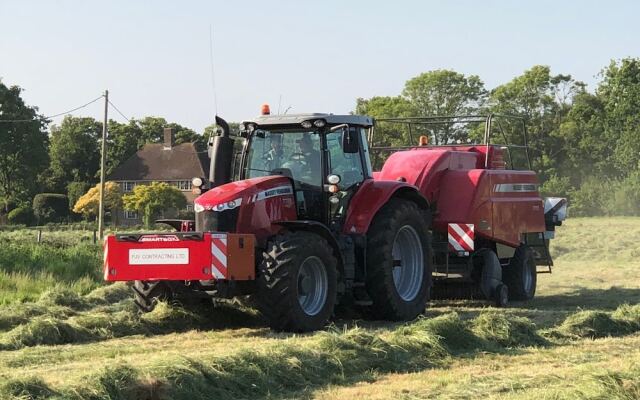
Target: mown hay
{"x": 109, "y": 294}
{"x": 26, "y": 388}
{"x": 455, "y": 333}
{"x": 592, "y": 324}
{"x": 44, "y": 330}
{"x": 506, "y": 330}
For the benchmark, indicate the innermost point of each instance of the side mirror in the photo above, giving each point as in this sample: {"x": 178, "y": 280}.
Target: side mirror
{"x": 349, "y": 138}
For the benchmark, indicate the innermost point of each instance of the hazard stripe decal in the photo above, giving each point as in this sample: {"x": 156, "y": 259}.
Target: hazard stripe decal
{"x": 219, "y": 256}
{"x": 461, "y": 237}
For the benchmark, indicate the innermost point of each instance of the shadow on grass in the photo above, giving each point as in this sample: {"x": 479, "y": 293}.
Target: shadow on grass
{"x": 587, "y": 298}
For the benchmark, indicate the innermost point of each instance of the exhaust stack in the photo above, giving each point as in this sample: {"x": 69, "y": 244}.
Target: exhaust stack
{"x": 221, "y": 155}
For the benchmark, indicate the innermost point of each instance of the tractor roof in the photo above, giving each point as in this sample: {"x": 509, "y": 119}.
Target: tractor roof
{"x": 332, "y": 119}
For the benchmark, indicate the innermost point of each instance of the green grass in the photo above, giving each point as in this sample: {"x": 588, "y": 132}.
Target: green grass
{"x": 28, "y": 269}
{"x": 580, "y": 338}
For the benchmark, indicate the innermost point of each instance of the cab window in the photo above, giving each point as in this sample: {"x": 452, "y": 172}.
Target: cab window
{"x": 347, "y": 166}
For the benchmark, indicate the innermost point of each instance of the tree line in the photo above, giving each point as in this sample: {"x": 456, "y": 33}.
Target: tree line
{"x": 584, "y": 144}
{"x": 45, "y": 170}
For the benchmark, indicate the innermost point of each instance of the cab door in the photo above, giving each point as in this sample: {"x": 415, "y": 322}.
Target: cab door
{"x": 349, "y": 167}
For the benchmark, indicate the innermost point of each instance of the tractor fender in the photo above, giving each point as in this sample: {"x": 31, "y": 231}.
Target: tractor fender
{"x": 370, "y": 198}
{"x": 319, "y": 229}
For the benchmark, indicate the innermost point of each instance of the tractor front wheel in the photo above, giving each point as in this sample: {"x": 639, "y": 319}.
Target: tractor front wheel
{"x": 521, "y": 274}
{"x": 148, "y": 293}
{"x": 399, "y": 261}
{"x": 297, "y": 282}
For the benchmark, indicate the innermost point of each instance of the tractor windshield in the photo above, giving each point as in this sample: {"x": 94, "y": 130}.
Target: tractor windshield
{"x": 296, "y": 154}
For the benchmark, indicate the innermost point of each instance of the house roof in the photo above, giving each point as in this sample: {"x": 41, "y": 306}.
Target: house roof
{"x": 156, "y": 163}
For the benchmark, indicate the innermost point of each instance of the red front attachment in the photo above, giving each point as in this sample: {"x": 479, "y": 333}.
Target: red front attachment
{"x": 178, "y": 257}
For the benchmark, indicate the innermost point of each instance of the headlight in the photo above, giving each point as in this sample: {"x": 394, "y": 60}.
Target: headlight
{"x": 229, "y": 205}
{"x": 306, "y": 124}
{"x": 319, "y": 123}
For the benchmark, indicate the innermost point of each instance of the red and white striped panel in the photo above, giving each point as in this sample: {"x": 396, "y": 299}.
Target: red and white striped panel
{"x": 461, "y": 237}
{"x": 219, "y": 255}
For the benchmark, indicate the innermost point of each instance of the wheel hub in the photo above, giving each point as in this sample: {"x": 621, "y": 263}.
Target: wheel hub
{"x": 313, "y": 285}
{"x": 408, "y": 263}
{"x": 305, "y": 285}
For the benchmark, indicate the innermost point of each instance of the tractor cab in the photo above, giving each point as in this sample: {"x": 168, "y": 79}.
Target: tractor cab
{"x": 324, "y": 156}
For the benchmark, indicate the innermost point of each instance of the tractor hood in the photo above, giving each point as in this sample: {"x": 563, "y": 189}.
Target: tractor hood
{"x": 234, "y": 194}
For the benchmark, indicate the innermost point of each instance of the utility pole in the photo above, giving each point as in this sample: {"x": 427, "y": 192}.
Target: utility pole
{"x": 102, "y": 162}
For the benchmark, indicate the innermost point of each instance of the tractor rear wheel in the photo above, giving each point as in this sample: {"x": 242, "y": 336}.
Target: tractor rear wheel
{"x": 521, "y": 274}
{"x": 297, "y": 282}
{"x": 148, "y": 293}
{"x": 399, "y": 261}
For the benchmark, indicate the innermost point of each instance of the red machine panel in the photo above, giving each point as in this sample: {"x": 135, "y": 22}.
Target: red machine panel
{"x": 501, "y": 204}
{"x": 179, "y": 256}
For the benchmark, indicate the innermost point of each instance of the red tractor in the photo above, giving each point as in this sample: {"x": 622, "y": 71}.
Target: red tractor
{"x": 294, "y": 215}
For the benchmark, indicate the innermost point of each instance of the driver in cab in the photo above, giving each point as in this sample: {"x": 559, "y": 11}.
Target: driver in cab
{"x": 311, "y": 156}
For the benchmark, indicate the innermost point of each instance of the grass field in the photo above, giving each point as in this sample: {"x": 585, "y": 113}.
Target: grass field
{"x": 580, "y": 337}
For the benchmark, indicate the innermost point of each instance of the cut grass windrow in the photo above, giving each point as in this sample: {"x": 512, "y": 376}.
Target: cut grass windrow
{"x": 295, "y": 366}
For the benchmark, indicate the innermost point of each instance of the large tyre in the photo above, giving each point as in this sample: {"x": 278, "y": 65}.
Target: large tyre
{"x": 297, "y": 282}
{"x": 399, "y": 261}
{"x": 148, "y": 293}
{"x": 521, "y": 275}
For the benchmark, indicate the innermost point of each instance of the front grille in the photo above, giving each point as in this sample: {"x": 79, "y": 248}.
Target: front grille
{"x": 217, "y": 221}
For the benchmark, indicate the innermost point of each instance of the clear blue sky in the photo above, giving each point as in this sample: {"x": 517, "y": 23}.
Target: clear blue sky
{"x": 319, "y": 56}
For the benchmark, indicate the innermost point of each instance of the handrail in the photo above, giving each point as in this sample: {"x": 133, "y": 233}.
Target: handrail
{"x": 487, "y": 119}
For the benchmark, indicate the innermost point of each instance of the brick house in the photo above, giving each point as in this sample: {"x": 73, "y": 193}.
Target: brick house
{"x": 166, "y": 162}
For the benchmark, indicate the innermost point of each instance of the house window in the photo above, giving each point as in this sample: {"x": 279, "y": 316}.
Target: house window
{"x": 128, "y": 186}
{"x": 130, "y": 214}
{"x": 189, "y": 207}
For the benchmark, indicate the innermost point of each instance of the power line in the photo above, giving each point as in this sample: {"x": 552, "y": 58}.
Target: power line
{"x": 119, "y": 112}
{"x": 55, "y": 115}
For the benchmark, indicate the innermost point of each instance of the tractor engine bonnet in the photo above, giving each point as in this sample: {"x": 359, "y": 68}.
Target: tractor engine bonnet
{"x": 246, "y": 206}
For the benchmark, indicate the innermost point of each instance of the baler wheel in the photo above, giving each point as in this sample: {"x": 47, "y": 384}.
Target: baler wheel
{"x": 297, "y": 282}
{"x": 148, "y": 293}
{"x": 521, "y": 274}
{"x": 399, "y": 261}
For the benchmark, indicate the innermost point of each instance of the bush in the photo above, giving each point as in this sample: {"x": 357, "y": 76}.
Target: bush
{"x": 50, "y": 207}
{"x": 556, "y": 186}
{"x": 591, "y": 198}
{"x": 22, "y": 215}
{"x": 624, "y": 199}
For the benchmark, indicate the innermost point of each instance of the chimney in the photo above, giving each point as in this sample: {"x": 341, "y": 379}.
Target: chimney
{"x": 169, "y": 138}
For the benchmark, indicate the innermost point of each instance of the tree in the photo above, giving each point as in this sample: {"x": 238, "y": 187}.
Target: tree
{"x": 23, "y": 146}
{"x": 445, "y": 93}
{"x": 619, "y": 91}
{"x": 122, "y": 142}
{"x": 74, "y": 151}
{"x": 386, "y": 134}
{"x": 585, "y": 149}
{"x": 89, "y": 203}
{"x": 152, "y": 129}
{"x": 543, "y": 100}
{"x": 50, "y": 207}
{"x": 150, "y": 200}
{"x": 75, "y": 190}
